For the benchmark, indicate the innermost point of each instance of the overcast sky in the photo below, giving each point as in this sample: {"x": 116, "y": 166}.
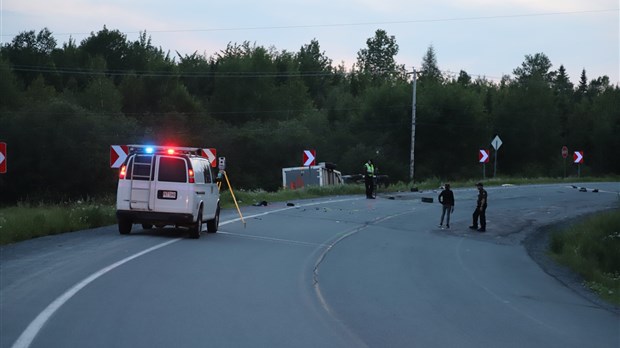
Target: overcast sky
{"x": 482, "y": 37}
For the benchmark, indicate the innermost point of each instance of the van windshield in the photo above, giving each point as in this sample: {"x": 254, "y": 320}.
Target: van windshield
{"x": 172, "y": 169}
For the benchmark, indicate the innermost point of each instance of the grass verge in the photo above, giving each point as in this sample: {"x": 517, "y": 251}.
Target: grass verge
{"x": 592, "y": 249}
{"x": 27, "y": 221}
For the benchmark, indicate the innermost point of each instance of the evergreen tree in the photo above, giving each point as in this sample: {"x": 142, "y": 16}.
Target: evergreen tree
{"x": 430, "y": 70}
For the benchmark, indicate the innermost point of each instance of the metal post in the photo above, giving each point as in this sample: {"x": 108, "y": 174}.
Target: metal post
{"x": 413, "y": 106}
{"x": 495, "y": 164}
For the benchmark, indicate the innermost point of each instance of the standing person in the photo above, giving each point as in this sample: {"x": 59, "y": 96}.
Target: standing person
{"x": 446, "y": 198}
{"x": 480, "y": 211}
{"x": 369, "y": 178}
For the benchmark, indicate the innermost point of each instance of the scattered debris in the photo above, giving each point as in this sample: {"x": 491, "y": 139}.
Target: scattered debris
{"x": 427, "y": 199}
{"x": 583, "y": 189}
{"x": 261, "y": 203}
{"x": 290, "y": 204}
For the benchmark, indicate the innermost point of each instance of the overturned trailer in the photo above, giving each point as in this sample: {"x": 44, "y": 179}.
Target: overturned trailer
{"x": 323, "y": 174}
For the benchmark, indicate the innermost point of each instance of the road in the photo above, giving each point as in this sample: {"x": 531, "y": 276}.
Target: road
{"x": 332, "y": 272}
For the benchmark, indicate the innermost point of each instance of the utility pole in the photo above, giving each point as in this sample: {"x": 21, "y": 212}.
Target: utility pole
{"x": 413, "y": 105}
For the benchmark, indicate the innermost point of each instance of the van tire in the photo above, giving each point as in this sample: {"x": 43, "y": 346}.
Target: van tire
{"x": 147, "y": 226}
{"x": 124, "y": 226}
{"x": 195, "y": 229}
{"x": 213, "y": 224}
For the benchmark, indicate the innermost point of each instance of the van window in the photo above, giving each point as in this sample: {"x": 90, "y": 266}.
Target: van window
{"x": 208, "y": 178}
{"x": 198, "y": 171}
{"x": 172, "y": 169}
{"x": 141, "y": 169}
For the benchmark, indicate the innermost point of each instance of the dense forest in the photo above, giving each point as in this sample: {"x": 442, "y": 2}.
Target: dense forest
{"x": 63, "y": 106}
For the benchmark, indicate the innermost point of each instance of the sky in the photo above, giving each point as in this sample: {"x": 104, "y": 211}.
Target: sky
{"x": 485, "y": 38}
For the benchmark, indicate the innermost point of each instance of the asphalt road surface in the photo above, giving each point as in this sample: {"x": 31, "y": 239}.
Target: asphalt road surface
{"x": 333, "y": 272}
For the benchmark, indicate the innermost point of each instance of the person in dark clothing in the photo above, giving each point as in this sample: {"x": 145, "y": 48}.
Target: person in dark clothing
{"x": 480, "y": 212}
{"x": 369, "y": 178}
{"x": 446, "y": 198}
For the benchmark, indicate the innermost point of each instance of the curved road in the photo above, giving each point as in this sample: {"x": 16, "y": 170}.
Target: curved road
{"x": 336, "y": 272}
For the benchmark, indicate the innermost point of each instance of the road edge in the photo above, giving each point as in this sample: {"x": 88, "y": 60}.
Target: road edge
{"x": 537, "y": 246}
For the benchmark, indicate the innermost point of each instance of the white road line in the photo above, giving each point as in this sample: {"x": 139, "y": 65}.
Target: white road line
{"x": 26, "y": 338}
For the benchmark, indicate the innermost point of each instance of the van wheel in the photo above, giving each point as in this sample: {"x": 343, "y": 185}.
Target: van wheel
{"x": 214, "y": 223}
{"x": 147, "y": 226}
{"x": 124, "y": 226}
{"x": 194, "y": 230}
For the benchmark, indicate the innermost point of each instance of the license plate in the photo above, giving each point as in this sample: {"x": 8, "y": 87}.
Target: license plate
{"x": 168, "y": 194}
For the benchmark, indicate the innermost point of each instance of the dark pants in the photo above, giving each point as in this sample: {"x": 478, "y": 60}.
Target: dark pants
{"x": 445, "y": 209}
{"x": 480, "y": 212}
{"x": 370, "y": 186}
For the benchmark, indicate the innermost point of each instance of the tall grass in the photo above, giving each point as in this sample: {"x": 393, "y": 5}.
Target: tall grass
{"x": 592, "y": 249}
{"x": 26, "y": 221}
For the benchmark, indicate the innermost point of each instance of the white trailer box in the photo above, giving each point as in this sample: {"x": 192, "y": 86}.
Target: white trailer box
{"x": 320, "y": 175}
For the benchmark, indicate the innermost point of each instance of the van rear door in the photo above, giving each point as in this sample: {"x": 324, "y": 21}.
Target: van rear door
{"x": 140, "y": 176}
{"x": 170, "y": 192}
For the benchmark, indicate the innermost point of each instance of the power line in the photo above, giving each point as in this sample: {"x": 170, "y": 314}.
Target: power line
{"x": 129, "y": 72}
{"x": 333, "y": 25}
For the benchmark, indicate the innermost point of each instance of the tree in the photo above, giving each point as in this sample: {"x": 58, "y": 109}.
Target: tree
{"x": 315, "y": 69}
{"x": 464, "y": 78}
{"x": 430, "y": 71}
{"x": 378, "y": 58}
{"x": 101, "y": 96}
{"x": 583, "y": 85}
{"x": 30, "y": 54}
{"x": 535, "y": 67}
{"x": 111, "y": 45}
{"x": 9, "y": 88}
{"x": 563, "y": 89}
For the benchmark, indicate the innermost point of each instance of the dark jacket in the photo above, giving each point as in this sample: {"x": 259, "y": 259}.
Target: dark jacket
{"x": 482, "y": 198}
{"x": 446, "y": 197}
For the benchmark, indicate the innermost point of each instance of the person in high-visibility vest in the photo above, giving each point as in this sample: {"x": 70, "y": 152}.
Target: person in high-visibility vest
{"x": 369, "y": 177}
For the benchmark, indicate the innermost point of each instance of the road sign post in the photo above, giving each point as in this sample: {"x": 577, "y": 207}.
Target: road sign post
{"x": 496, "y": 143}
{"x": 578, "y": 159}
{"x": 564, "y": 155}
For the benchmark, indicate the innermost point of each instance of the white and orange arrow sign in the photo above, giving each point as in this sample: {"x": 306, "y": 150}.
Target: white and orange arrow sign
{"x": 209, "y": 154}
{"x": 483, "y": 156}
{"x": 118, "y": 155}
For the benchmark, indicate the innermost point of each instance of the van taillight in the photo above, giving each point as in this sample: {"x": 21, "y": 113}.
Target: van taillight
{"x": 123, "y": 172}
{"x": 191, "y": 176}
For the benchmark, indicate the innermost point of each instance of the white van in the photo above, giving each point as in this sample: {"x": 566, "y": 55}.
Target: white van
{"x": 161, "y": 186}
